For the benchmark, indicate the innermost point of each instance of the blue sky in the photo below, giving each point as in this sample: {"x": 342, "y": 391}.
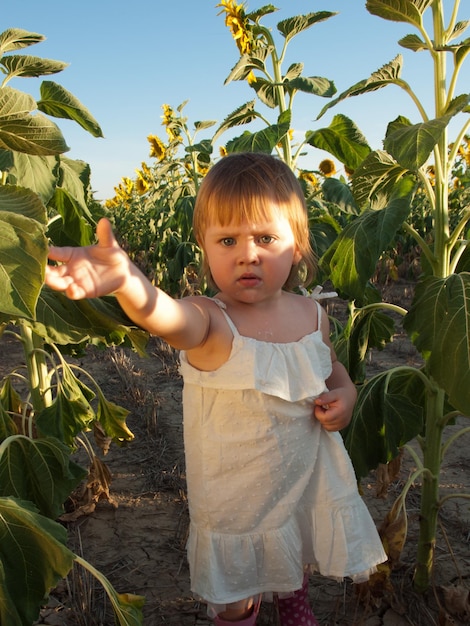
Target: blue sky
{"x": 128, "y": 59}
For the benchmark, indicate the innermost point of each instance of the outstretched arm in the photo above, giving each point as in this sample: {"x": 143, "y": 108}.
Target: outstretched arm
{"x": 94, "y": 271}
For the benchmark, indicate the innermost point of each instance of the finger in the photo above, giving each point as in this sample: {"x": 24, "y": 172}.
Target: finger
{"x": 61, "y": 254}
{"x": 105, "y": 234}
{"x": 56, "y": 278}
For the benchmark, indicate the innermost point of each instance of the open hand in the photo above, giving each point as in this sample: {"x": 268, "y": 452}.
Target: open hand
{"x": 90, "y": 271}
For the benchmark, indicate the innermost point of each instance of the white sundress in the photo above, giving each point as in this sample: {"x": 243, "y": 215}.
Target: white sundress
{"x": 270, "y": 491}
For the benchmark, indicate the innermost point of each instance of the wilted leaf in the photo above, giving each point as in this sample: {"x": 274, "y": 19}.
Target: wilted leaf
{"x": 457, "y": 600}
{"x": 113, "y": 419}
{"x": 393, "y": 531}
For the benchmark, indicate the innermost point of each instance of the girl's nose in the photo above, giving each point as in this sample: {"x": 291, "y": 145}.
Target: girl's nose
{"x": 248, "y": 253}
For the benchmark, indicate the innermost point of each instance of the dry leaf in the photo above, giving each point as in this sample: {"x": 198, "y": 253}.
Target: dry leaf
{"x": 457, "y": 600}
{"x": 394, "y": 530}
{"x": 386, "y": 473}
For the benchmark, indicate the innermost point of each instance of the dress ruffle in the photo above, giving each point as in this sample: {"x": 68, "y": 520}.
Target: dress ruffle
{"x": 290, "y": 371}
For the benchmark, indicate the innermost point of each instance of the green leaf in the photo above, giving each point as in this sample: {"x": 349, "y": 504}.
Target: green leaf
{"x": 339, "y": 193}
{"x": 64, "y": 321}
{"x": 24, "y": 132}
{"x": 17, "y": 38}
{"x": 113, "y": 419}
{"x": 388, "y": 74}
{"x": 7, "y": 425}
{"x": 413, "y": 42}
{"x": 388, "y": 414}
{"x": 352, "y": 259}
{"x": 33, "y": 135}
{"x": 31, "y": 66}
{"x": 368, "y": 328}
{"x": 254, "y": 16}
{"x": 204, "y": 124}
{"x": 411, "y": 146}
{"x": 266, "y": 91}
{"x": 64, "y": 419}
{"x": 75, "y": 180}
{"x": 75, "y": 228}
{"x": 58, "y": 102}
{"x": 409, "y": 11}
{"x": 459, "y": 29}
{"x": 315, "y": 85}
{"x": 19, "y": 201}
{"x": 33, "y": 558}
{"x": 439, "y": 322}
{"x": 263, "y": 140}
{"x": 247, "y": 63}
{"x": 375, "y": 180}
{"x": 294, "y": 71}
{"x": 23, "y": 254}
{"x": 38, "y": 173}
{"x": 38, "y": 470}
{"x": 244, "y": 114}
{"x": 342, "y": 139}
{"x": 292, "y": 26}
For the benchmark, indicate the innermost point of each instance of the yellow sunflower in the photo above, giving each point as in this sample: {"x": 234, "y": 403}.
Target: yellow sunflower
{"x": 157, "y": 148}
{"x": 327, "y": 167}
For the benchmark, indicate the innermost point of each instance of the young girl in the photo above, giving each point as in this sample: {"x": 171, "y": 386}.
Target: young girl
{"x": 272, "y": 493}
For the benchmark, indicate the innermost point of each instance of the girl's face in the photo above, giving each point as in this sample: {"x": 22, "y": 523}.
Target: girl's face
{"x": 250, "y": 263}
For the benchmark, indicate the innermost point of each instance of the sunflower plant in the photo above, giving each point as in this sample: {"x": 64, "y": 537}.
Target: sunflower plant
{"x": 417, "y": 164}
{"x": 45, "y": 404}
{"x": 262, "y": 65}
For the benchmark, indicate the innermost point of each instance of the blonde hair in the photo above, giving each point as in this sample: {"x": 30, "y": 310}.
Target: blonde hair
{"x": 249, "y": 186}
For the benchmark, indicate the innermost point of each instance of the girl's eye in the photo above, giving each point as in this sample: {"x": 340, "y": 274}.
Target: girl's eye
{"x": 227, "y": 241}
{"x": 265, "y": 239}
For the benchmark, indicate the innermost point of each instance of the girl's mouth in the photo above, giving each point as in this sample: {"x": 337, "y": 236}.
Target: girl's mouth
{"x": 249, "y": 280}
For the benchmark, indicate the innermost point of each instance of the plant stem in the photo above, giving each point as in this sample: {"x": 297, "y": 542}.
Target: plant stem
{"x": 432, "y": 459}
{"x": 33, "y": 347}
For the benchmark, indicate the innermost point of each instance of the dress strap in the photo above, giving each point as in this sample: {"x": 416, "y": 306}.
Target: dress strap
{"x": 223, "y": 308}
{"x": 319, "y": 314}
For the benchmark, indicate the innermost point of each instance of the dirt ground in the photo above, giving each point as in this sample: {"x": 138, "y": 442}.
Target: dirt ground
{"x": 137, "y": 536}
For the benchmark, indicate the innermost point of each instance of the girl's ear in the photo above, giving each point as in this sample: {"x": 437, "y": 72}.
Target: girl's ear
{"x": 297, "y": 257}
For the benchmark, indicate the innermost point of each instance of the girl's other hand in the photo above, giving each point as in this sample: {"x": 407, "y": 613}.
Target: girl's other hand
{"x": 90, "y": 271}
{"x": 333, "y": 409}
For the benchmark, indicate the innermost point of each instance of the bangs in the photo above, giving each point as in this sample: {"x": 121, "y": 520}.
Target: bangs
{"x": 241, "y": 204}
